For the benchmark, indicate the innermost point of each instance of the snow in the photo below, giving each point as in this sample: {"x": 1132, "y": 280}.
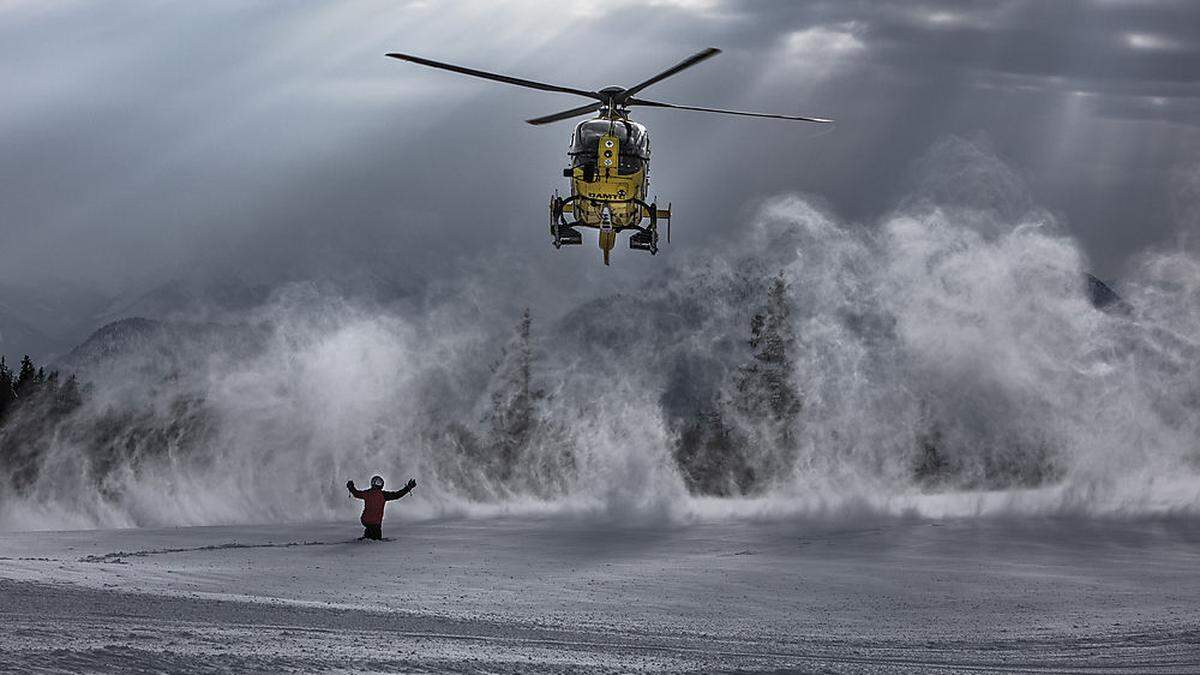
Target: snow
{"x": 573, "y": 594}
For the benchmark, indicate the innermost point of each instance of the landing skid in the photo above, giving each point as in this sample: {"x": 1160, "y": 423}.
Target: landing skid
{"x": 642, "y": 239}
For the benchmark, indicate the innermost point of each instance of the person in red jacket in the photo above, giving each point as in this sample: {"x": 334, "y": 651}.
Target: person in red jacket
{"x": 373, "y": 501}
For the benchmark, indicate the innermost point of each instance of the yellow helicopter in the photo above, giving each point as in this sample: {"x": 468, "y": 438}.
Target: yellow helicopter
{"x": 610, "y": 158}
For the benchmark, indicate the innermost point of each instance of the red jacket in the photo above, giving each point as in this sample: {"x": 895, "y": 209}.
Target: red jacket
{"x": 373, "y": 501}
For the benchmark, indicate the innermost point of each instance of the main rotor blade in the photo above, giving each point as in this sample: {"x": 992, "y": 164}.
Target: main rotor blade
{"x": 567, "y": 114}
{"x": 686, "y": 63}
{"x": 494, "y": 76}
{"x": 656, "y": 104}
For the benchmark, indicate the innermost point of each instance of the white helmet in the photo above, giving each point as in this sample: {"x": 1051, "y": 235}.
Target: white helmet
{"x": 376, "y": 481}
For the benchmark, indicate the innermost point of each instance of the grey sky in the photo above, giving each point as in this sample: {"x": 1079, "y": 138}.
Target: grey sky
{"x": 144, "y": 141}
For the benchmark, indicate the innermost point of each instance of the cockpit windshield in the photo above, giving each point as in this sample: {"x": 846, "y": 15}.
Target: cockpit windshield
{"x": 635, "y": 142}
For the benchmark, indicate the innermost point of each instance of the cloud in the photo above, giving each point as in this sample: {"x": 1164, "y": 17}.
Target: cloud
{"x": 1151, "y": 42}
{"x": 823, "y": 42}
{"x": 275, "y": 140}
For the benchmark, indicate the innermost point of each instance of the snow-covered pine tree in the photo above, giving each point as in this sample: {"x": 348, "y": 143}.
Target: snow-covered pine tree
{"x": 513, "y": 415}
{"x": 711, "y": 455}
{"x": 529, "y": 452}
{"x": 763, "y": 388}
{"x": 765, "y": 400}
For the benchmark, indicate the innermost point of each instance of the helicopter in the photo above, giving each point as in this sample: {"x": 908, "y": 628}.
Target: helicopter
{"x": 609, "y": 157}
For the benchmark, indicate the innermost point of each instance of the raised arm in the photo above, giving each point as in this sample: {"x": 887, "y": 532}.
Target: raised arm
{"x": 389, "y": 496}
{"x": 353, "y": 491}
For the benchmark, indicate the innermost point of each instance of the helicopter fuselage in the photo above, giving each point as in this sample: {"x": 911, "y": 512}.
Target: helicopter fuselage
{"x": 609, "y": 172}
{"x": 610, "y": 161}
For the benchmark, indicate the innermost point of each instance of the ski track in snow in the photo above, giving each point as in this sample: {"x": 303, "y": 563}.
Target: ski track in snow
{"x": 118, "y": 556}
{"x": 573, "y": 595}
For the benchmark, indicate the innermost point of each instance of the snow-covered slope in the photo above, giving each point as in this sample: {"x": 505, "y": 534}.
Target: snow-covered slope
{"x": 572, "y": 595}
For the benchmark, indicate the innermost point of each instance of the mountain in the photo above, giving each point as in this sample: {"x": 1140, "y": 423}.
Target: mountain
{"x": 166, "y": 347}
{"x": 187, "y": 297}
{"x": 45, "y": 322}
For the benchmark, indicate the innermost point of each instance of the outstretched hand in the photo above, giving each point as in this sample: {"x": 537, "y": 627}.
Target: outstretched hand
{"x": 412, "y": 483}
{"x": 350, "y": 484}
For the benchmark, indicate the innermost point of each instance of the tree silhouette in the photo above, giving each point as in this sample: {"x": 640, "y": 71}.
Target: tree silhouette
{"x": 34, "y": 409}
{"x": 524, "y": 449}
{"x": 763, "y": 388}
{"x": 8, "y": 394}
{"x": 26, "y": 378}
{"x": 744, "y": 436}
{"x": 512, "y": 417}
{"x": 710, "y": 455}
{"x": 69, "y": 396}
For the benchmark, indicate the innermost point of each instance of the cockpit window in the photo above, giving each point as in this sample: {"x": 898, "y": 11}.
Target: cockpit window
{"x": 635, "y": 143}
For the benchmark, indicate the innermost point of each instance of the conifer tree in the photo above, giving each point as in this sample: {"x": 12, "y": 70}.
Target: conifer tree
{"x": 764, "y": 404}
{"x": 710, "y": 455}
{"x": 8, "y": 393}
{"x": 745, "y": 436}
{"x": 68, "y": 397}
{"x": 512, "y": 417}
{"x": 26, "y": 377}
{"x": 527, "y": 451}
{"x": 763, "y": 389}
